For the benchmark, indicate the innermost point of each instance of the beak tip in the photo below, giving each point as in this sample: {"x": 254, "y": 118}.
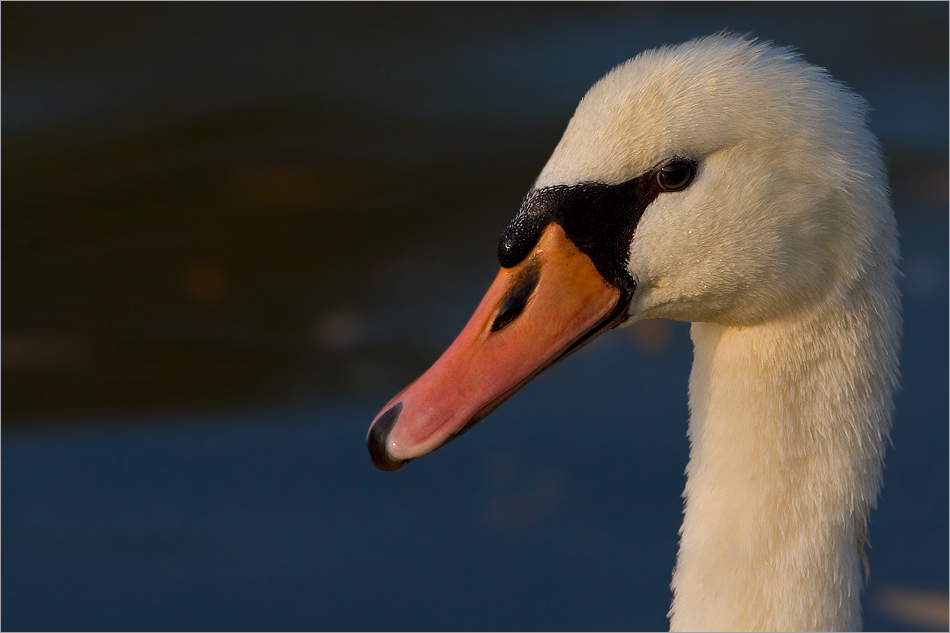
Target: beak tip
{"x": 378, "y": 439}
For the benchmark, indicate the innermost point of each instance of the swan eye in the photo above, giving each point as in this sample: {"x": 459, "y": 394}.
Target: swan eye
{"x": 675, "y": 176}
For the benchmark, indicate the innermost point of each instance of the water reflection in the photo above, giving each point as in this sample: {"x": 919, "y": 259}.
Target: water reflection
{"x": 282, "y": 215}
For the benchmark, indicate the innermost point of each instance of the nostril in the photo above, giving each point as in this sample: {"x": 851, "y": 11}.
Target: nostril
{"x": 509, "y": 313}
{"x": 378, "y": 439}
{"x": 516, "y": 299}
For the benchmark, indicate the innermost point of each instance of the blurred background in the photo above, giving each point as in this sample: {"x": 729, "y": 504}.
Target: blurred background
{"x": 231, "y": 232}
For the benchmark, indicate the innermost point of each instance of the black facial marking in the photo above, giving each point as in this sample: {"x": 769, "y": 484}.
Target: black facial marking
{"x": 517, "y": 297}
{"x": 600, "y": 219}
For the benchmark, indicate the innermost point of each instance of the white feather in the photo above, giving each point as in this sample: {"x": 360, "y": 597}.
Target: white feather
{"x": 783, "y": 253}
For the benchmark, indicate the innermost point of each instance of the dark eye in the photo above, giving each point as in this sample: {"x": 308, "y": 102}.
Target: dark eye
{"x": 675, "y": 176}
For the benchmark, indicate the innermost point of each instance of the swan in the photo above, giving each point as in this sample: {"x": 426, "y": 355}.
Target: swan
{"x": 727, "y": 183}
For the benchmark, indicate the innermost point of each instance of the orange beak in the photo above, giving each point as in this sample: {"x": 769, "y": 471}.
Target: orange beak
{"x": 533, "y": 315}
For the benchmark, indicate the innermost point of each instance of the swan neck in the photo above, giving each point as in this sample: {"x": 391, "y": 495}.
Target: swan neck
{"x": 787, "y": 428}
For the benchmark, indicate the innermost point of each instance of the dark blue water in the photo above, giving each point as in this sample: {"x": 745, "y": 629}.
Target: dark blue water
{"x": 197, "y": 358}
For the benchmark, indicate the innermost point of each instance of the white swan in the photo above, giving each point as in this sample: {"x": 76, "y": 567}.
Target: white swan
{"x": 727, "y": 183}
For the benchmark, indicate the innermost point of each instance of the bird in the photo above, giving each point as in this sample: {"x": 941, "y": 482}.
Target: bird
{"x": 728, "y": 183}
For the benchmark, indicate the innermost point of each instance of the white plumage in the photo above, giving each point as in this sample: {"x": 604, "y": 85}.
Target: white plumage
{"x": 783, "y": 253}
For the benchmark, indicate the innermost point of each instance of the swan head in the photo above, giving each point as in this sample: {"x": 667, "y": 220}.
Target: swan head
{"x": 722, "y": 180}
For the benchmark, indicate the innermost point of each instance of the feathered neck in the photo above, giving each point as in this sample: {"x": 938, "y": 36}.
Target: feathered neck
{"x": 788, "y": 421}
